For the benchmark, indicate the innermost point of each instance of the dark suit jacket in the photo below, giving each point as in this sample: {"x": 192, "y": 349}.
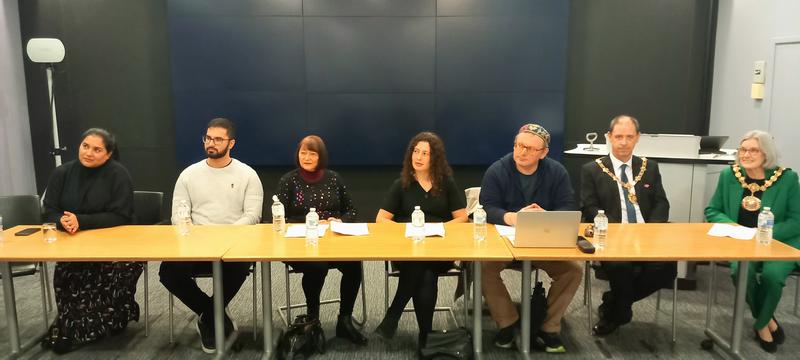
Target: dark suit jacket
{"x": 599, "y": 191}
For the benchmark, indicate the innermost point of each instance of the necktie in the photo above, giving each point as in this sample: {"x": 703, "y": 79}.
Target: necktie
{"x": 628, "y": 204}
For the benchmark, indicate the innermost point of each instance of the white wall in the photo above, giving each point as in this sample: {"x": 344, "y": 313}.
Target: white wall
{"x": 745, "y": 29}
{"x": 16, "y": 156}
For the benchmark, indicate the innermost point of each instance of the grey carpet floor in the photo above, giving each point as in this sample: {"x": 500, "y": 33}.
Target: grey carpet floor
{"x": 647, "y": 337}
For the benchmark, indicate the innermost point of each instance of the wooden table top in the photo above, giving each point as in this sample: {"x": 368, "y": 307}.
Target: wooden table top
{"x": 385, "y": 241}
{"x": 662, "y": 242}
{"x": 130, "y": 243}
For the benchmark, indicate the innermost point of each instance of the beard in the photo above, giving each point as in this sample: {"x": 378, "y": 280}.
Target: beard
{"x": 217, "y": 155}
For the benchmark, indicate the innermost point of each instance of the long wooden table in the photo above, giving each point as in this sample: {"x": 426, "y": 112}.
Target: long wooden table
{"x": 385, "y": 241}
{"x": 122, "y": 243}
{"x": 661, "y": 242}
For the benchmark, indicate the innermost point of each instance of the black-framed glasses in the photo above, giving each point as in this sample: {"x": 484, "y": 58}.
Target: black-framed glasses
{"x": 216, "y": 140}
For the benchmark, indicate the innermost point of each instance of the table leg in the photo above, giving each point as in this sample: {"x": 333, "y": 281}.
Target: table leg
{"x": 11, "y": 307}
{"x": 738, "y": 316}
{"x": 525, "y": 347}
{"x": 219, "y": 309}
{"x": 477, "y": 310}
{"x": 266, "y": 308}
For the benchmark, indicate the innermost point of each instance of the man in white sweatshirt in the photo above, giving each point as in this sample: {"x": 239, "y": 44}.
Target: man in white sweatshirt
{"x": 218, "y": 190}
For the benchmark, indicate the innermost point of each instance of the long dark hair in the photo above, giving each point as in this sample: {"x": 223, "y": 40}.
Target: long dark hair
{"x": 109, "y": 141}
{"x": 439, "y": 170}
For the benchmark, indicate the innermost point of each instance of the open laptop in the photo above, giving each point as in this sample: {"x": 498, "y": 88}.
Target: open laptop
{"x": 712, "y": 144}
{"x": 547, "y": 229}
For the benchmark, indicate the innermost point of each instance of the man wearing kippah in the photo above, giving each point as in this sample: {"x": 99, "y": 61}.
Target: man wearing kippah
{"x": 527, "y": 179}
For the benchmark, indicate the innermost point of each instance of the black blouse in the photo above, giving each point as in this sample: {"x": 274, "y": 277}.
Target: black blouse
{"x": 328, "y": 196}
{"x": 400, "y": 202}
{"x": 99, "y": 197}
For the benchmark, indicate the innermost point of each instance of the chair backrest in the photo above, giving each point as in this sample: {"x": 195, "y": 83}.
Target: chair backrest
{"x": 473, "y": 195}
{"x": 20, "y": 210}
{"x": 147, "y": 207}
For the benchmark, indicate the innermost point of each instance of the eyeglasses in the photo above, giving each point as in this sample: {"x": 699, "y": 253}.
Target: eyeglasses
{"x": 217, "y": 140}
{"x": 753, "y": 151}
{"x": 524, "y": 148}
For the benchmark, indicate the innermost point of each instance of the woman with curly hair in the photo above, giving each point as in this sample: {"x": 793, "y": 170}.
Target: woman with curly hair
{"x": 426, "y": 181}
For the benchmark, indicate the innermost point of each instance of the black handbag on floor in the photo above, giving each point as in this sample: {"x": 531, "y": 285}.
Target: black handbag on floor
{"x": 447, "y": 345}
{"x": 303, "y": 339}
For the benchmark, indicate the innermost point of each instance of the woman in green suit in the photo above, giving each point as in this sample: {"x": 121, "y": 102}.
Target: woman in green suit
{"x": 753, "y": 182}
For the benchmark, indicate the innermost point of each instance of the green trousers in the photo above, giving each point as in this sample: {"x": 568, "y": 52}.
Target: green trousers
{"x": 765, "y": 282}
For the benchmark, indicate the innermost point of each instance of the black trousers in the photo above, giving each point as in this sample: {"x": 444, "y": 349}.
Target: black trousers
{"x": 418, "y": 280}
{"x": 177, "y": 277}
{"x": 631, "y": 282}
{"x": 314, "y": 274}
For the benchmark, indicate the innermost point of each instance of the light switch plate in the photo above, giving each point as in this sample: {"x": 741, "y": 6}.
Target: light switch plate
{"x": 758, "y": 71}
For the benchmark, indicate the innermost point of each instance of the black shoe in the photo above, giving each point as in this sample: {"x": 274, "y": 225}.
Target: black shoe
{"x": 387, "y": 328}
{"x": 346, "y": 329}
{"x": 205, "y": 327}
{"x": 505, "y": 337}
{"x": 768, "y": 346}
{"x": 551, "y": 342}
{"x": 778, "y": 336}
{"x": 601, "y": 311}
{"x": 605, "y": 327}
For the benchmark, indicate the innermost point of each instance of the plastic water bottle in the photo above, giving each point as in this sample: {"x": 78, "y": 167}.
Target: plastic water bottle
{"x": 766, "y": 220}
{"x": 184, "y": 217}
{"x": 600, "y": 229}
{"x": 1, "y": 228}
{"x": 479, "y": 224}
{"x": 312, "y": 222}
{"x": 278, "y": 216}
{"x": 418, "y": 224}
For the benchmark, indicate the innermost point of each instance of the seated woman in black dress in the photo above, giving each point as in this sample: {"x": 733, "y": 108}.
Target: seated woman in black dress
{"x": 312, "y": 185}
{"x": 426, "y": 181}
{"x": 94, "y": 299}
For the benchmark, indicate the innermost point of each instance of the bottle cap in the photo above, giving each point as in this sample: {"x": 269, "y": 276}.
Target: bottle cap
{"x": 767, "y": 208}
{"x": 480, "y": 206}
{"x": 416, "y": 207}
{"x": 601, "y": 211}
{"x": 275, "y": 198}
{"x": 313, "y": 209}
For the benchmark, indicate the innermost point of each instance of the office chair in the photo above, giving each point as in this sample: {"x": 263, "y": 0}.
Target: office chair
{"x": 147, "y": 211}
{"x": 287, "y": 317}
{"x": 25, "y": 210}
{"x": 209, "y": 276}
{"x": 600, "y": 274}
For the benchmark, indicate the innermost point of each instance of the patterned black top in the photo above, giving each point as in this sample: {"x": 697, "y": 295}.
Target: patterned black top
{"x": 329, "y": 197}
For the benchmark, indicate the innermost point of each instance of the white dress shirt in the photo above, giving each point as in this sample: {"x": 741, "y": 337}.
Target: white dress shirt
{"x": 617, "y": 164}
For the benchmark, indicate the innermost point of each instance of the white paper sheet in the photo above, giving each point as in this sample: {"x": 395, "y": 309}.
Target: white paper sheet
{"x": 505, "y": 230}
{"x": 431, "y": 229}
{"x": 734, "y": 231}
{"x": 299, "y": 230}
{"x": 355, "y": 229}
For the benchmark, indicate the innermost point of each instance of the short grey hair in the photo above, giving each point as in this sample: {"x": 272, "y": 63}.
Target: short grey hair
{"x": 619, "y": 117}
{"x": 767, "y": 144}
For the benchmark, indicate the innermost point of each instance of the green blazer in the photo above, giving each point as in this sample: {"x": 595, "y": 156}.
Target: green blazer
{"x": 783, "y": 197}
